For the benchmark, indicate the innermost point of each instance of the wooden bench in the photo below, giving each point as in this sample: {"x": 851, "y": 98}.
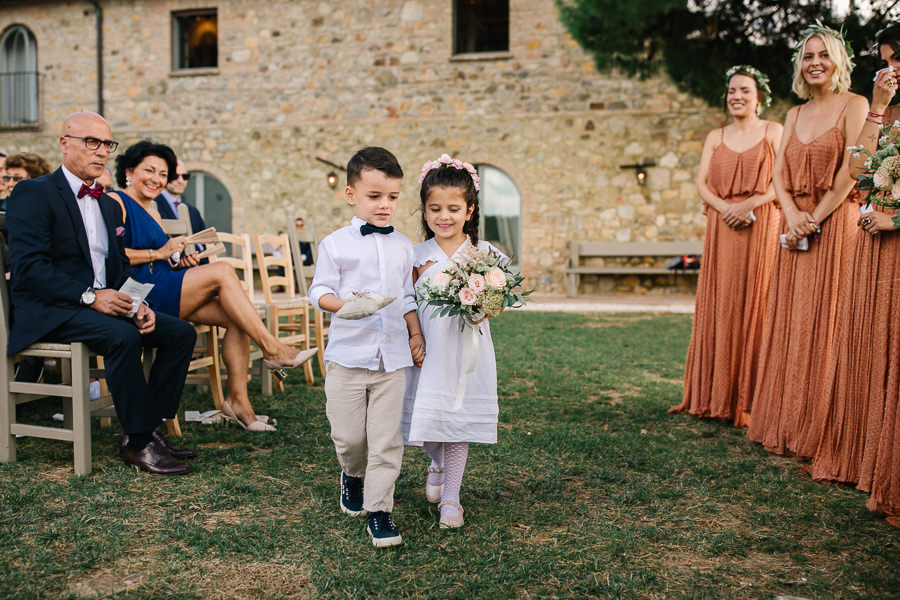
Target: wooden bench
{"x": 579, "y": 251}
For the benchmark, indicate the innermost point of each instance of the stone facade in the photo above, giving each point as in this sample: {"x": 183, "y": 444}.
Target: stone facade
{"x": 300, "y": 79}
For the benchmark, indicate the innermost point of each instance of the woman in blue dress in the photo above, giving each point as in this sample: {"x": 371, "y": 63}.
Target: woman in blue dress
{"x": 210, "y": 294}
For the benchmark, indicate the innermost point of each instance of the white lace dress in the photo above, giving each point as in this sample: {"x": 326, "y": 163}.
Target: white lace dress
{"x": 428, "y": 414}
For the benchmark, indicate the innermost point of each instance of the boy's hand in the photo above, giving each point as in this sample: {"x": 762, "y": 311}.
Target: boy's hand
{"x": 417, "y": 348}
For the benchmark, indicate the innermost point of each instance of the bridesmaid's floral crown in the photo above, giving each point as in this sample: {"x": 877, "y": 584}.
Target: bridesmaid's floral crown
{"x": 890, "y": 27}
{"x": 447, "y": 161}
{"x": 818, "y": 27}
{"x": 761, "y": 79}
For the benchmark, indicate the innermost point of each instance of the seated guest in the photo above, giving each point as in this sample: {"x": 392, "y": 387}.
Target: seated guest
{"x": 171, "y": 199}
{"x": 305, "y": 247}
{"x": 210, "y": 294}
{"x": 3, "y": 193}
{"x": 24, "y": 165}
{"x": 68, "y": 261}
{"x": 106, "y": 180}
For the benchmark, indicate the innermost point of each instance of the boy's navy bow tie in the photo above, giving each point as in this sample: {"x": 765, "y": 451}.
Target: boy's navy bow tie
{"x": 366, "y": 229}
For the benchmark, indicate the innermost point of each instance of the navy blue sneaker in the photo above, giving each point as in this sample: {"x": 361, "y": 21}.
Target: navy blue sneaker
{"x": 382, "y": 529}
{"x": 352, "y": 495}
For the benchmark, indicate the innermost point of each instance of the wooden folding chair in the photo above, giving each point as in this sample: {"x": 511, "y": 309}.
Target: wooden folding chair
{"x": 73, "y": 389}
{"x": 239, "y": 254}
{"x": 304, "y": 274}
{"x": 206, "y": 354}
{"x": 288, "y": 315}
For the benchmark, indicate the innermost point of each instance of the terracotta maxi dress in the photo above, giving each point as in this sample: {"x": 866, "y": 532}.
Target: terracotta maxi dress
{"x": 861, "y": 438}
{"x": 732, "y": 287}
{"x": 787, "y": 413}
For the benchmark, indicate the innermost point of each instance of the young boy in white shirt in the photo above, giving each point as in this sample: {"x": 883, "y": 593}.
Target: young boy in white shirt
{"x": 366, "y": 359}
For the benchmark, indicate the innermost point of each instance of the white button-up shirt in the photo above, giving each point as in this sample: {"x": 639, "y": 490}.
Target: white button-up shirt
{"x": 351, "y": 262}
{"x": 94, "y": 226}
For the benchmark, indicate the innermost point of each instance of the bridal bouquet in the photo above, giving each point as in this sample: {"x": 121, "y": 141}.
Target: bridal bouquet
{"x": 881, "y": 177}
{"x": 475, "y": 286}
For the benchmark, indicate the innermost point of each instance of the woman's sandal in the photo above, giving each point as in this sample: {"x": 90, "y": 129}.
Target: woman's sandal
{"x": 257, "y": 426}
{"x": 278, "y": 367}
{"x": 433, "y": 491}
{"x": 451, "y": 521}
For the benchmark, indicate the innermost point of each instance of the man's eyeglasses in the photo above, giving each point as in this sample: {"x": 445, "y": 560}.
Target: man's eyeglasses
{"x": 92, "y": 143}
{"x": 16, "y": 178}
{"x": 185, "y": 176}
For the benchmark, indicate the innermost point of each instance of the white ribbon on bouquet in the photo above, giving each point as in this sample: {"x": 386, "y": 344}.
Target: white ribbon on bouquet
{"x": 471, "y": 339}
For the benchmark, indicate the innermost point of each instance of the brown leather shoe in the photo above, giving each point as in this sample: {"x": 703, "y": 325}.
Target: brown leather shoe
{"x": 153, "y": 459}
{"x": 179, "y": 453}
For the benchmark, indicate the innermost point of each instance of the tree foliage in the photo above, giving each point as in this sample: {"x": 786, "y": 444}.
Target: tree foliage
{"x": 696, "y": 41}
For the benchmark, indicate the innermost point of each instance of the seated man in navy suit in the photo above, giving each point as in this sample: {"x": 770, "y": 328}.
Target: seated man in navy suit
{"x": 171, "y": 198}
{"x": 68, "y": 261}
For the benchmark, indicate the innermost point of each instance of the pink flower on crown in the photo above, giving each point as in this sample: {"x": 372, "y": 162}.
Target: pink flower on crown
{"x": 468, "y": 167}
{"x": 457, "y": 164}
{"x": 445, "y": 159}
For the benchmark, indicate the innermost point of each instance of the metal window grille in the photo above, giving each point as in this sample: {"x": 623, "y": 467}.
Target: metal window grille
{"x": 18, "y": 78}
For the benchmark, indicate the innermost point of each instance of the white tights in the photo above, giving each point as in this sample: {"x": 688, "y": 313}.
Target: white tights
{"x": 451, "y": 456}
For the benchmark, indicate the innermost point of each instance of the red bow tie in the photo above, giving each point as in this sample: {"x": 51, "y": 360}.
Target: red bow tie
{"x": 94, "y": 192}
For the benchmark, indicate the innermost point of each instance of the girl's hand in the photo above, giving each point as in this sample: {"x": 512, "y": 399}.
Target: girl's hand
{"x": 737, "y": 215}
{"x": 800, "y": 224}
{"x": 187, "y": 261}
{"x": 175, "y": 244}
{"x": 883, "y": 91}
{"x": 791, "y": 240}
{"x": 876, "y": 222}
{"x": 417, "y": 348}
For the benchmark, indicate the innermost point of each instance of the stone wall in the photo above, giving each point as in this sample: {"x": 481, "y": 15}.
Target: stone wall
{"x": 300, "y": 79}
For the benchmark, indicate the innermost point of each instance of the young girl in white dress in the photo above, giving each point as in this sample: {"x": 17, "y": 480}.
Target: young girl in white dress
{"x": 449, "y": 197}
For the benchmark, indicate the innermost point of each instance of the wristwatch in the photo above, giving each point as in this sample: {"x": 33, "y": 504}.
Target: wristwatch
{"x": 88, "y": 296}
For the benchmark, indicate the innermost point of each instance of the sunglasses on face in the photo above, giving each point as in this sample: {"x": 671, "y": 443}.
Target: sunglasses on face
{"x": 185, "y": 176}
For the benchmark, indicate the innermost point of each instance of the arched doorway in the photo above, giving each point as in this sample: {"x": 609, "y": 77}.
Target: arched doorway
{"x": 501, "y": 211}
{"x": 211, "y": 197}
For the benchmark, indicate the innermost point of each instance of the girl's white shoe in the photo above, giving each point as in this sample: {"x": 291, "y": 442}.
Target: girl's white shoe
{"x": 449, "y": 520}
{"x": 433, "y": 491}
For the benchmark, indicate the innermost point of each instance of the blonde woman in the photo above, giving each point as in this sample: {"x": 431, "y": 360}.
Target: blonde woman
{"x": 813, "y": 185}
{"x": 735, "y": 183}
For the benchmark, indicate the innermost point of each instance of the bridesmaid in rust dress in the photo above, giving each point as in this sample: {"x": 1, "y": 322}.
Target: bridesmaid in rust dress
{"x": 813, "y": 185}
{"x": 861, "y": 441}
{"x": 735, "y": 182}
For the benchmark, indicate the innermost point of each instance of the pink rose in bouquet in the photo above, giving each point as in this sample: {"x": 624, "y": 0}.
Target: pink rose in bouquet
{"x": 441, "y": 280}
{"x": 467, "y": 297}
{"x": 476, "y": 282}
{"x": 495, "y": 278}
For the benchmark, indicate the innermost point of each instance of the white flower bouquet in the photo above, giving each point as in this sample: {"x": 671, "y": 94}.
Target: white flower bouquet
{"x": 881, "y": 176}
{"x": 475, "y": 286}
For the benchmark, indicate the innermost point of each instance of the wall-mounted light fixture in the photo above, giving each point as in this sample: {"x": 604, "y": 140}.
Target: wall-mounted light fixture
{"x": 332, "y": 177}
{"x": 640, "y": 170}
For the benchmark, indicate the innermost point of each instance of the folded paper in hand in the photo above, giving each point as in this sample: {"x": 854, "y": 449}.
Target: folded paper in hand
{"x": 363, "y": 304}
{"x": 137, "y": 291}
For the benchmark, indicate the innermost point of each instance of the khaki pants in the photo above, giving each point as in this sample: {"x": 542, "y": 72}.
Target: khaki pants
{"x": 365, "y": 409}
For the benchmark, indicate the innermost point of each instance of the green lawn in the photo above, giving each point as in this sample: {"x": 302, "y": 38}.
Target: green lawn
{"x": 592, "y": 491}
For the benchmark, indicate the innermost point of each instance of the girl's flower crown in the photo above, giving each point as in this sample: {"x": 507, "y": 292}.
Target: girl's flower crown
{"x": 446, "y": 161}
{"x": 818, "y": 27}
{"x": 761, "y": 79}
